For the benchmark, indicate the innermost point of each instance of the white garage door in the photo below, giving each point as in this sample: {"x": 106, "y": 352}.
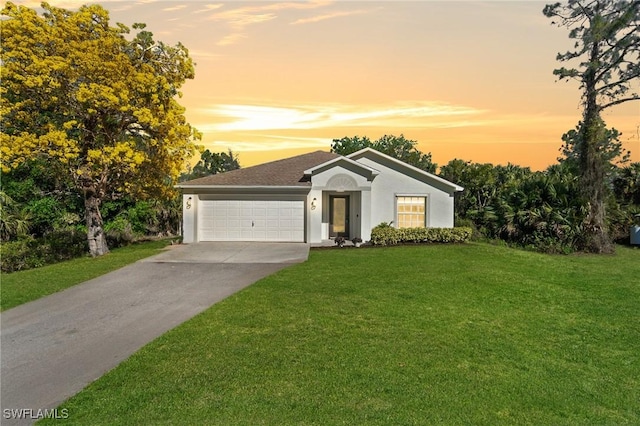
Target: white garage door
{"x": 248, "y": 220}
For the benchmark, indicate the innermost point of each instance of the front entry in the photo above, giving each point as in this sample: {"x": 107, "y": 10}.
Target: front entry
{"x": 339, "y": 216}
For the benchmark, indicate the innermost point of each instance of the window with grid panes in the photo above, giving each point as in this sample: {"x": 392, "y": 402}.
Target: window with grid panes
{"x": 411, "y": 212}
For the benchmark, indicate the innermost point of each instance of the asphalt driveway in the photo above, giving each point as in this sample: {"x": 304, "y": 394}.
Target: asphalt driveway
{"x": 53, "y": 347}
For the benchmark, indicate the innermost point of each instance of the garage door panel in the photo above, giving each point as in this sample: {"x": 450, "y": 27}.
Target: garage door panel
{"x": 219, "y": 234}
{"x": 273, "y": 223}
{"x": 247, "y": 220}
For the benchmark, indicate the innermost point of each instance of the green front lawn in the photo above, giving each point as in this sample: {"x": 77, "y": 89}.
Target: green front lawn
{"x": 464, "y": 334}
{"x": 24, "y": 286}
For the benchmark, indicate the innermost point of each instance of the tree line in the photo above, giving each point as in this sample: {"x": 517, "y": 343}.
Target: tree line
{"x": 541, "y": 210}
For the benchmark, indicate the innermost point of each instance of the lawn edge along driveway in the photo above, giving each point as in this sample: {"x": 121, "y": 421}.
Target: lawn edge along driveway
{"x": 25, "y": 286}
{"x": 54, "y": 346}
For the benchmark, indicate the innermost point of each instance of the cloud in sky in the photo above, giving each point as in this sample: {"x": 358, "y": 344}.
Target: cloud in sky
{"x": 238, "y": 117}
{"x": 241, "y": 17}
{"x": 174, "y": 8}
{"x": 432, "y": 117}
{"x": 209, "y": 7}
{"x": 333, "y": 15}
{"x": 122, "y": 8}
{"x": 262, "y": 142}
{"x": 199, "y": 55}
{"x": 231, "y": 39}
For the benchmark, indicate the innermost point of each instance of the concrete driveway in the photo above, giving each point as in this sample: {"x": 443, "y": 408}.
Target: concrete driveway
{"x": 53, "y": 347}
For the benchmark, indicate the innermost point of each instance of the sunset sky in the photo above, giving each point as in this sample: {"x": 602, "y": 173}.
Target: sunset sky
{"x": 470, "y": 80}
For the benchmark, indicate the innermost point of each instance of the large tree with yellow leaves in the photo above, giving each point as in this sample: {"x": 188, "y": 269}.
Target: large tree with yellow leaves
{"x": 95, "y": 104}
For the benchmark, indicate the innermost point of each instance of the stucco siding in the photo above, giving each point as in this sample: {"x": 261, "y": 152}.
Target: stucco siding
{"x": 314, "y": 216}
{"x": 391, "y": 183}
{"x": 189, "y": 218}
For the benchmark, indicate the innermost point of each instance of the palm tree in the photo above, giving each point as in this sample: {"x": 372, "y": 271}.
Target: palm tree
{"x": 13, "y": 221}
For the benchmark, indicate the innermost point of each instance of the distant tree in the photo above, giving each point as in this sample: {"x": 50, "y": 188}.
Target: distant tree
{"x": 211, "y": 164}
{"x": 95, "y": 106}
{"x": 479, "y": 181}
{"x": 607, "y": 43}
{"x": 405, "y": 150}
{"x": 609, "y": 147}
{"x": 395, "y": 146}
{"x": 347, "y": 145}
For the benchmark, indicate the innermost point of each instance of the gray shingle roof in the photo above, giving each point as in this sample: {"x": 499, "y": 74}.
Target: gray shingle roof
{"x": 285, "y": 172}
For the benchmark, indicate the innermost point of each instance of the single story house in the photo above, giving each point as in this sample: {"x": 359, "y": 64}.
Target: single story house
{"x": 315, "y": 197}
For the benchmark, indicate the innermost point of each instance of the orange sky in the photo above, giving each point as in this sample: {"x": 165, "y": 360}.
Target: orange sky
{"x": 470, "y": 80}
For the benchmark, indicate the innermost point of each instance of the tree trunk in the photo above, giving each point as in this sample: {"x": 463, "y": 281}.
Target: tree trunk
{"x": 596, "y": 237}
{"x": 95, "y": 232}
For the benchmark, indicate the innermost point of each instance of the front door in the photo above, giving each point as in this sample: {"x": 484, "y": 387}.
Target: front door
{"x": 339, "y": 216}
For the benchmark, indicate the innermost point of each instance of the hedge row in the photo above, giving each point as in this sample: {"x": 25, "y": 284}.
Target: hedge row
{"x": 384, "y": 234}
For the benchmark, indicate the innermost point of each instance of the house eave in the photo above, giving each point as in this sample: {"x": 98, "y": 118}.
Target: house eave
{"x": 367, "y": 171}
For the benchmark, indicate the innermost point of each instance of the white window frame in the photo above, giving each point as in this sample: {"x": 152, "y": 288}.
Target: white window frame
{"x": 425, "y": 214}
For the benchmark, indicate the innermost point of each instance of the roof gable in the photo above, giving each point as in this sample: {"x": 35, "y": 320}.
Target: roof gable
{"x": 347, "y": 163}
{"x": 401, "y": 166}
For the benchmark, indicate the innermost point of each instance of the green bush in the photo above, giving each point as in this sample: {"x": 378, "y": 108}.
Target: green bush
{"x": 19, "y": 255}
{"x": 476, "y": 235}
{"x": 68, "y": 220}
{"x": 119, "y": 231}
{"x": 143, "y": 218}
{"x": 621, "y": 218}
{"x": 65, "y": 244}
{"x": 384, "y": 234}
{"x": 126, "y": 220}
{"x": 29, "y": 252}
{"x": 44, "y": 212}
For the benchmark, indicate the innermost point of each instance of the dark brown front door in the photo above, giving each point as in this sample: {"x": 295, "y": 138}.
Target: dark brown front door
{"x": 339, "y": 216}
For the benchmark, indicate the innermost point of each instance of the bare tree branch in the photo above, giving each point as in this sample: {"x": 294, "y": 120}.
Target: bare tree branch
{"x": 619, "y": 101}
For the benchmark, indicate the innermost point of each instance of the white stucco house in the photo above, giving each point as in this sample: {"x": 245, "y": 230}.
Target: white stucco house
{"x": 315, "y": 197}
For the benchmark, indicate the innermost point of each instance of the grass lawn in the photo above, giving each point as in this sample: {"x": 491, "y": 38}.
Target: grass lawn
{"x": 465, "y": 334}
{"x": 24, "y": 286}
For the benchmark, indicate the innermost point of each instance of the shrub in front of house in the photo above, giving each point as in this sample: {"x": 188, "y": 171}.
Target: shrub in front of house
{"x": 384, "y": 234}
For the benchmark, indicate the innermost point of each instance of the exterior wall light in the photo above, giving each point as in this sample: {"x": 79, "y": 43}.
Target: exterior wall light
{"x": 188, "y": 203}
{"x": 313, "y": 204}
